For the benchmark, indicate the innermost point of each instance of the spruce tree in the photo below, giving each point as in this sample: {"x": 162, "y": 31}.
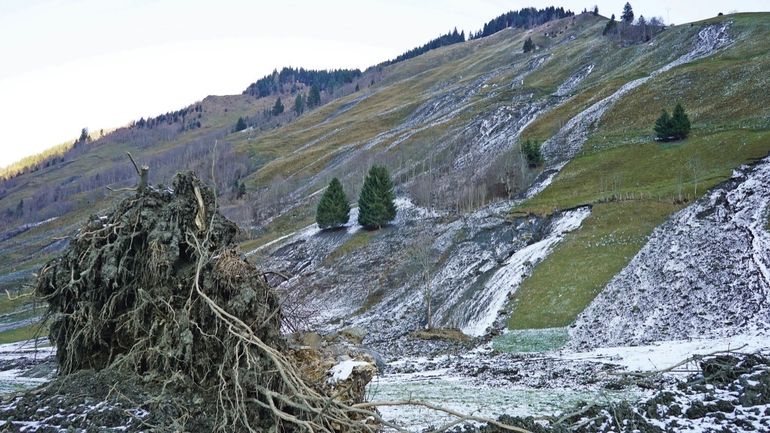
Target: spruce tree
{"x": 333, "y": 210}
{"x": 528, "y": 45}
{"x": 278, "y": 107}
{"x": 376, "y": 206}
{"x": 680, "y": 123}
{"x": 663, "y": 130}
{"x": 532, "y": 153}
{"x": 610, "y": 27}
{"x": 314, "y": 97}
{"x": 628, "y": 14}
{"x": 240, "y": 125}
{"x": 299, "y": 104}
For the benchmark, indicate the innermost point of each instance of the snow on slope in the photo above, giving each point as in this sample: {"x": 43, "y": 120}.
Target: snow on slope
{"x": 486, "y": 303}
{"x": 702, "y": 273}
{"x": 566, "y": 143}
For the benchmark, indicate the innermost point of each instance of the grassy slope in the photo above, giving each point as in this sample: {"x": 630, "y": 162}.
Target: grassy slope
{"x": 305, "y": 147}
{"x": 730, "y": 127}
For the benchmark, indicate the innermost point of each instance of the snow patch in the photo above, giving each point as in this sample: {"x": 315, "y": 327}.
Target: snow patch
{"x": 664, "y": 354}
{"x": 343, "y": 370}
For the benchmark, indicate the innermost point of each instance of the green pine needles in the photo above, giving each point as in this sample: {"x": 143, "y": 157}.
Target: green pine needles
{"x": 532, "y": 152}
{"x": 333, "y": 209}
{"x": 528, "y": 45}
{"x": 376, "y": 206}
{"x": 671, "y": 128}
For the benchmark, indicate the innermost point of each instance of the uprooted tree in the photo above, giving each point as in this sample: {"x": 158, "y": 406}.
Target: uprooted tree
{"x": 157, "y": 289}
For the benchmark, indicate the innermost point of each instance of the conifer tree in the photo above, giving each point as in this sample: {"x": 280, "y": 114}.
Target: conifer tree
{"x": 299, "y": 104}
{"x": 663, "y": 129}
{"x": 532, "y": 153}
{"x": 240, "y": 125}
{"x": 628, "y": 14}
{"x": 610, "y": 27}
{"x": 333, "y": 210}
{"x": 675, "y": 127}
{"x": 680, "y": 123}
{"x": 528, "y": 45}
{"x": 278, "y": 107}
{"x": 314, "y": 97}
{"x": 376, "y": 206}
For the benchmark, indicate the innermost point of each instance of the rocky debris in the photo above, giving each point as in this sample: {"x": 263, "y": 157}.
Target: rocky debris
{"x": 451, "y": 334}
{"x": 731, "y": 393}
{"x": 379, "y": 289}
{"x": 533, "y": 371}
{"x": 159, "y": 322}
{"x": 703, "y": 273}
{"x": 354, "y": 334}
{"x": 566, "y": 88}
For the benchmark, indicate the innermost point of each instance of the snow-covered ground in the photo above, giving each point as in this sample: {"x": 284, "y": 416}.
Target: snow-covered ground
{"x": 664, "y": 354}
{"x": 483, "y": 383}
{"x": 16, "y": 360}
{"x": 703, "y": 273}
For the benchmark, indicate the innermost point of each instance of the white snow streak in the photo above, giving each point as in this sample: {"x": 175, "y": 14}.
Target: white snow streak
{"x": 508, "y": 278}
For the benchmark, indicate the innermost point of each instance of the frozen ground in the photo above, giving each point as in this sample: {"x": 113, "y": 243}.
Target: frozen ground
{"x": 486, "y": 383}
{"x": 703, "y": 273}
{"x": 20, "y": 365}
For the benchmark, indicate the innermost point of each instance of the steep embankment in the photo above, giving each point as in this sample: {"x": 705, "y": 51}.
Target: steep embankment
{"x": 704, "y": 273}
{"x": 636, "y": 183}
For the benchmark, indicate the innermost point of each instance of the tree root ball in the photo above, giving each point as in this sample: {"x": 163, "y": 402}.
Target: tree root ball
{"x": 134, "y": 292}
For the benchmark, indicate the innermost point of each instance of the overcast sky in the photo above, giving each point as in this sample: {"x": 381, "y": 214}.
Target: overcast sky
{"x": 68, "y": 64}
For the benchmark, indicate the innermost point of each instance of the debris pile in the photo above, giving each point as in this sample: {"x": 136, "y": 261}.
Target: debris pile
{"x": 730, "y": 393}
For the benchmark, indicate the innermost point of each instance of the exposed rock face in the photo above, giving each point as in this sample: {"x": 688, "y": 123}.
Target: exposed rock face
{"x": 705, "y": 272}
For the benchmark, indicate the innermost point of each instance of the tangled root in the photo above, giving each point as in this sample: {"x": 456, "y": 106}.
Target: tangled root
{"x": 157, "y": 288}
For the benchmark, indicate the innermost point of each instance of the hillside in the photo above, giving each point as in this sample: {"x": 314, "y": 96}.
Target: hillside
{"x": 448, "y": 124}
{"x": 560, "y": 290}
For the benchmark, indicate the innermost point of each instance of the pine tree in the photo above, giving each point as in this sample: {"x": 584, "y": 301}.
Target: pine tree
{"x": 532, "y": 153}
{"x": 528, "y": 45}
{"x": 299, "y": 104}
{"x": 675, "y": 127}
{"x": 680, "y": 123}
{"x": 240, "y": 125}
{"x": 314, "y": 97}
{"x": 333, "y": 210}
{"x": 663, "y": 130}
{"x": 596, "y": 11}
{"x": 610, "y": 27}
{"x": 628, "y": 14}
{"x": 376, "y": 206}
{"x": 278, "y": 107}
